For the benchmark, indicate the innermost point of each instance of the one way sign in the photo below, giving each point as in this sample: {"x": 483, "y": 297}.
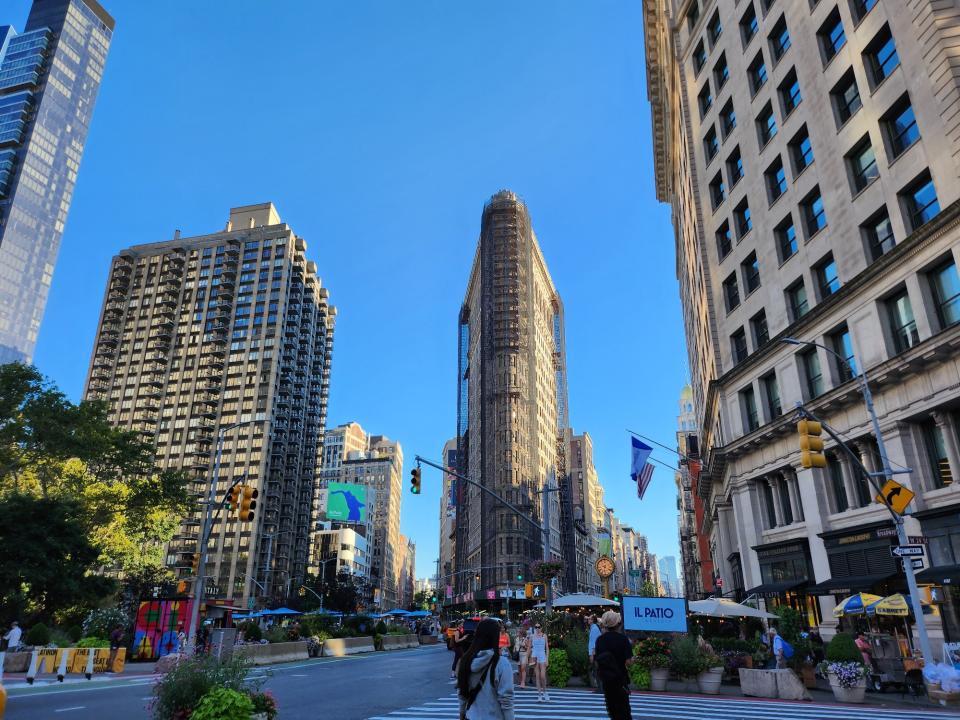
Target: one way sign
{"x": 902, "y": 551}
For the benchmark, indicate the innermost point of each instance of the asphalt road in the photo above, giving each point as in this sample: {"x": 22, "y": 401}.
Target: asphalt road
{"x": 350, "y": 688}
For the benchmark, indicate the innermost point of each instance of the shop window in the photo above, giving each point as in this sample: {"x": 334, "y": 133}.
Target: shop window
{"x": 937, "y": 455}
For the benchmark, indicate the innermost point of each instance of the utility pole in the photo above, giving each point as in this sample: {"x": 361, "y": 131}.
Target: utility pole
{"x": 887, "y": 475}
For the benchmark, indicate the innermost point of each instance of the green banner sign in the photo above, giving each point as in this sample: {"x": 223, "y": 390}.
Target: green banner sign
{"x": 347, "y": 502}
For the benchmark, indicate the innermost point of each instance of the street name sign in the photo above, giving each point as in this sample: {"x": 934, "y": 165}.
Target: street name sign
{"x": 903, "y": 551}
{"x": 660, "y": 614}
{"x": 895, "y": 496}
{"x": 916, "y": 562}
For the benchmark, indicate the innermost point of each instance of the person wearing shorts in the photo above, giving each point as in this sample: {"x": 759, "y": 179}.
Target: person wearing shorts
{"x": 539, "y": 652}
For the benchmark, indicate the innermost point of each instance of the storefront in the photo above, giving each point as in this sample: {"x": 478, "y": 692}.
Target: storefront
{"x": 785, "y": 572}
{"x": 861, "y": 561}
{"x": 941, "y": 529}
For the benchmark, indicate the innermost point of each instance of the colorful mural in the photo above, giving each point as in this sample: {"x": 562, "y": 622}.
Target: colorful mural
{"x": 158, "y": 621}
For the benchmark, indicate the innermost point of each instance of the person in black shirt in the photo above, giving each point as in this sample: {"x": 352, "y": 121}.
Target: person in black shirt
{"x": 613, "y": 654}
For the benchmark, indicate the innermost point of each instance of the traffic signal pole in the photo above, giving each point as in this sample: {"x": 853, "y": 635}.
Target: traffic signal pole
{"x": 887, "y": 474}
{"x": 544, "y": 529}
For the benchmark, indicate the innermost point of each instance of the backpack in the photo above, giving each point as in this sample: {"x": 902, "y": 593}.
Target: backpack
{"x": 787, "y": 649}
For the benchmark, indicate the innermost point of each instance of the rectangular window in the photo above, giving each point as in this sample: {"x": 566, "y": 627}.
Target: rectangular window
{"x": 771, "y": 392}
{"x": 878, "y": 233}
{"x": 842, "y": 345}
{"x": 699, "y": 57}
{"x": 837, "y": 488}
{"x": 714, "y": 29}
{"x": 731, "y": 292}
{"x": 937, "y": 454}
{"x": 779, "y": 40}
{"x": 735, "y": 166}
{"x": 721, "y": 72}
{"x": 920, "y": 202}
{"x": 728, "y": 119}
{"x": 814, "y": 216}
{"x": 946, "y": 294}
{"x": 742, "y": 217}
{"x": 827, "y": 280}
{"x": 790, "y": 93}
{"x": 881, "y": 56}
{"x": 846, "y": 97}
{"x": 801, "y": 151}
{"x": 748, "y": 25}
{"x": 812, "y": 374}
{"x": 767, "y": 494}
{"x": 748, "y": 401}
{"x": 831, "y": 36}
{"x": 860, "y": 8}
{"x": 766, "y": 125}
{"x": 903, "y": 328}
{"x": 758, "y": 326}
{"x": 705, "y": 99}
{"x": 758, "y": 73}
{"x": 724, "y": 240}
{"x": 900, "y": 126}
{"x": 717, "y": 191}
{"x": 786, "y": 235}
{"x": 738, "y": 346}
{"x": 711, "y": 144}
{"x": 862, "y": 164}
{"x": 797, "y": 300}
{"x": 776, "y": 178}
{"x": 751, "y": 273}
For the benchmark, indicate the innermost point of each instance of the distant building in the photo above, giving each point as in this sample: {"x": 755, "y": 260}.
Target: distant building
{"x": 668, "y": 576}
{"x": 339, "y": 550}
{"x": 49, "y": 79}
{"x": 407, "y": 572}
{"x": 587, "y": 499}
{"x": 448, "y": 517}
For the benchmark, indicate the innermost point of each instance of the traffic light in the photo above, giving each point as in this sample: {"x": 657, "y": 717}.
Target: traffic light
{"x": 302, "y": 592}
{"x": 519, "y": 577}
{"x": 248, "y": 503}
{"x": 194, "y": 559}
{"x": 233, "y": 497}
{"x": 415, "y": 481}
{"x": 433, "y": 598}
{"x": 615, "y": 597}
{"x": 811, "y": 444}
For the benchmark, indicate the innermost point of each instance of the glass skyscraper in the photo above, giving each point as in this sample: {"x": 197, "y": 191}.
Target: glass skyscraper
{"x": 49, "y": 78}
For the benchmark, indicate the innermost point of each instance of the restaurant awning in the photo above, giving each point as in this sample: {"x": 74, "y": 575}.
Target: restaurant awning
{"x": 848, "y": 585}
{"x": 775, "y": 589}
{"x": 943, "y": 574}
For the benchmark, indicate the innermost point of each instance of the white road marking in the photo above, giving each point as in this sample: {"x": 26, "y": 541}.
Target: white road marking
{"x": 78, "y": 707}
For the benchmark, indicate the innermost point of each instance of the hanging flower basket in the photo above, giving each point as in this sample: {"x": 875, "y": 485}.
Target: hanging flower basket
{"x": 547, "y": 570}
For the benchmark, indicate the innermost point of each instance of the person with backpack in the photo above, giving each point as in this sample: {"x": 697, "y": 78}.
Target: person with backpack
{"x": 485, "y": 677}
{"x": 613, "y": 654}
{"x": 781, "y": 649}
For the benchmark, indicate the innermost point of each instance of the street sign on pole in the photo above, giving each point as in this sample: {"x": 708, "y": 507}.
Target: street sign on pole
{"x": 916, "y": 563}
{"x": 895, "y": 496}
{"x": 903, "y": 551}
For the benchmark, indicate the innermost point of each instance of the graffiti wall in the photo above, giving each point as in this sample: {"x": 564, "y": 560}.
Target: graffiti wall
{"x": 158, "y": 622}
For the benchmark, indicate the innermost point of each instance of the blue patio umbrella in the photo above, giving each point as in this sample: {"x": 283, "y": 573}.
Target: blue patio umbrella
{"x": 282, "y": 611}
{"x": 397, "y": 611}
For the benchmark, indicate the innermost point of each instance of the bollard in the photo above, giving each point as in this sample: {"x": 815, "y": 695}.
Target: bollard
{"x": 32, "y": 668}
{"x": 90, "y": 653}
{"x": 62, "y": 670}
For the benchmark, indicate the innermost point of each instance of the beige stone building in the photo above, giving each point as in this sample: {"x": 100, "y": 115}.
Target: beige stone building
{"x": 588, "y": 508}
{"x": 198, "y": 334}
{"x": 448, "y": 518}
{"x": 809, "y": 151}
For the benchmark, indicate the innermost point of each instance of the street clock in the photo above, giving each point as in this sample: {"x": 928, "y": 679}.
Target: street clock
{"x": 605, "y": 567}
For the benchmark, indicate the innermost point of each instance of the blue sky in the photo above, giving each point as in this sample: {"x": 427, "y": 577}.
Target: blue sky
{"x": 379, "y": 129}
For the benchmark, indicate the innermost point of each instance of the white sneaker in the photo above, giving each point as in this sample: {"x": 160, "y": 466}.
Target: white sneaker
{"x": 539, "y": 697}
{"x": 546, "y": 697}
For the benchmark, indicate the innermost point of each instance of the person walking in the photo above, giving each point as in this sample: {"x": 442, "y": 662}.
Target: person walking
{"x": 614, "y": 654}
{"x": 13, "y": 636}
{"x": 116, "y": 640}
{"x": 778, "y": 661}
{"x": 460, "y": 644}
{"x": 539, "y": 652}
{"x": 594, "y": 626}
{"x": 866, "y": 652}
{"x": 523, "y": 656}
{"x": 485, "y": 677}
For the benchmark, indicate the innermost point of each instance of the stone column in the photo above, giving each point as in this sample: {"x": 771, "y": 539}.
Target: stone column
{"x": 777, "y": 510}
{"x": 790, "y": 479}
{"x": 846, "y": 471}
{"x": 748, "y": 534}
{"x": 815, "y": 510}
{"x": 942, "y": 419}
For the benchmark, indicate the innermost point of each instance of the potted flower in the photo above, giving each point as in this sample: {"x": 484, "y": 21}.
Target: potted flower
{"x": 653, "y": 654}
{"x": 711, "y": 671}
{"x": 687, "y": 661}
{"x": 845, "y": 669}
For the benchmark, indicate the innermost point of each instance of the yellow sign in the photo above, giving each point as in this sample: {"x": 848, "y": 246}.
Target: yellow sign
{"x": 895, "y": 495}
{"x": 49, "y": 660}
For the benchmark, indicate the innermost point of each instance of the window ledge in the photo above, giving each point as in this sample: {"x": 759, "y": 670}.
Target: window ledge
{"x": 788, "y": 259}
{"x": 770, "y": 140}
{"x": 718, "y": 205}
{"x": 791, "y": 113}
{"x": 747, "y": 296}
{"x": 741, "y": 237}
{"x": 801, "y": 173}
{"x": 846, "y": 122}
{"x": 892, "y": 162}
{"x": 875, "y": 88}
{"x": 776, "y": 200}
{"x": 866, "y": 187}
{"x": 837, "y": 54}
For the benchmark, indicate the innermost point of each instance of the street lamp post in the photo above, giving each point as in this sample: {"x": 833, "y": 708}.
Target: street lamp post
{"x": 205, "y": 529}
{"x": 323, "y": 578}
{"x": 887, "y": 475}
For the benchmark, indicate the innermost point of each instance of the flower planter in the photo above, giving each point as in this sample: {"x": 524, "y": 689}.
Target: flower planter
{"x": 809, "y": 676}
{"x": 658, "y": 679}
{"x": 709, "y": 681}
{"x": 854, "y": 694}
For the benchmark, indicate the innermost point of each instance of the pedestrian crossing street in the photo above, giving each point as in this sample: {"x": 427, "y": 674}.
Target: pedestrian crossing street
{"x": 586, "y": 705}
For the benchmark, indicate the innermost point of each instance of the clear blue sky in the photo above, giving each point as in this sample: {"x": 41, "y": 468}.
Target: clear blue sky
{"x": 379, "y": 129}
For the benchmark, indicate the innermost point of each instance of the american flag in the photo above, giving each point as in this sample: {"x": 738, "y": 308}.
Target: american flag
{"x": 643, "y": 479}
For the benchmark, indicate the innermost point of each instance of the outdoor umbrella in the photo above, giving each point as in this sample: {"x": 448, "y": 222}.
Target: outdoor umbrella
{"x": 721, "y": 607}
{"x": 419, "y": 614}
{"x": 896, "y": 605}
{"x": 855, "y": 604}
{"x": 397, "y": 611}
{"x": 581, "y": 600}
{"x": 282, "y": 611}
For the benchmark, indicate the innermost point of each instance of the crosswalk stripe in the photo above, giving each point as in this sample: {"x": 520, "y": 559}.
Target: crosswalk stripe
{"x": 579, "y": 705}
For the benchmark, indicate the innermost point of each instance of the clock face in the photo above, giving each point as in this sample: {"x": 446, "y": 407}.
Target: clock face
{"x": 605, "y": 567}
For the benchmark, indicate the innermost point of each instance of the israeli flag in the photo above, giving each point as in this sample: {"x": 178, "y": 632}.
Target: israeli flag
{"x": 640, "y": 451}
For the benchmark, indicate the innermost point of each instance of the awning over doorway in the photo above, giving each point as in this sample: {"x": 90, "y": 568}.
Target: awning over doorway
{"x": 848, "y": 585}
{"x": 775, "y": 589}
{"x": 943, "y": 574}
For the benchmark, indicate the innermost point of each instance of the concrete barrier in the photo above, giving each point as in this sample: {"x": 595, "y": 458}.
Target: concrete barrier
{"x": 429, "y": 640}
{"x": 400, "y": 642}
{"x": 16, "y": 662}
{"x": 338, "y": 647}
{"x": 271, "y": 653}
{"x": 782, "y": 684}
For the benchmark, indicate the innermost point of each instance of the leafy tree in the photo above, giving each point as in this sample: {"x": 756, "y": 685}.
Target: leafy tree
{"x": 648, "y": 589}
{"x": 421, "y": 601}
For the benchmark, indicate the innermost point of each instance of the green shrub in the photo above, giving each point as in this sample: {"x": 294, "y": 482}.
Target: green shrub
{"x": 686, "y": 658}
{"x": 575, "y": 643}
{"x": 100, "y": 623}
{"x": 378, "y": 641}
{"x": 558, "y": 668}
{"x": 276, "y": 634}
{"x": 223, "y": 704}
{"x": 39, "y": 634}
{"x": 93, "y": 642}
{"x": 60, "y": 638}
{"x": 251, "y": 631}
{"x": 74, "y": 632}
{"x": 380, "y": 628}
{"x": 179, "y": 692}
{"x": 790, "y": 624}
{"x": 264, "y": 703}
{"x": 639, "y": 676}
{"x": 842, "y": 648}
{"x": 747, "y": 647}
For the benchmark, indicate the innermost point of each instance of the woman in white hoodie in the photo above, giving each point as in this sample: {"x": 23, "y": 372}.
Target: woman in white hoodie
{"x": 485, "y": 677}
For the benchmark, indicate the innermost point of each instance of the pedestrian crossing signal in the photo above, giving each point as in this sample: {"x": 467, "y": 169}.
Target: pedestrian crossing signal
{"x": 415, "y": 481}
{"x": 533, "y": 591}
